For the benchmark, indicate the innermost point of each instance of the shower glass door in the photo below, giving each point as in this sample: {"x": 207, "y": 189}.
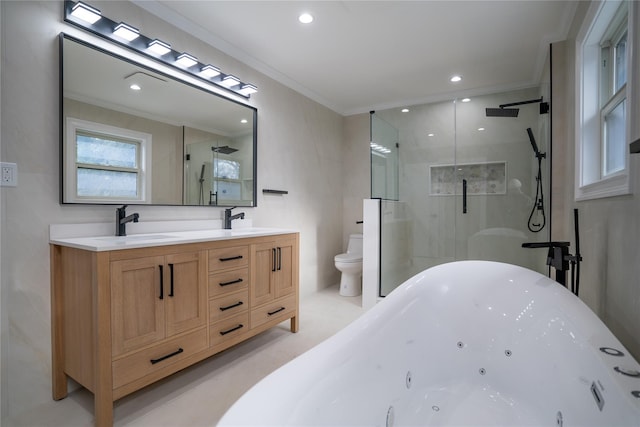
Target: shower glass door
{"x": 467, "y": 186}
{"x": 499, "y": 203}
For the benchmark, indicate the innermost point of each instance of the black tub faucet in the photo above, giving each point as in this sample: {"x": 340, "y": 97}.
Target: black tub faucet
{"x": 228, "y": 217}
{"x": 122, "y": 219}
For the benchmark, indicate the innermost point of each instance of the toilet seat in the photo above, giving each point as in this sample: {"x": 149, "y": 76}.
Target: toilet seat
{"x": 348, "y": 258}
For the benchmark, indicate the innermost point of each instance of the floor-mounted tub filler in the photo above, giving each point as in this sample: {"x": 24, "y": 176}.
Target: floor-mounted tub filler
{"x": 468, "y": 343}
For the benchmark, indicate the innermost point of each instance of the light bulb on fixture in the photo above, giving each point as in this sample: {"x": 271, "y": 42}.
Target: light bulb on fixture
{"x": 247, "y": 89}
{"x": 86, "y": 13}
{"x": 210, "y": 71}
{"x": 126, "y": 31}
{"x": 186, "y": 60}
{"x": 159, "y": 47}
{"x": 230, "y": 81}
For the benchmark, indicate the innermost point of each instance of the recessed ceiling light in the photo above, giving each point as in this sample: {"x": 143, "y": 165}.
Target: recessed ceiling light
{"x": 243, "y": 121}
{"x": 135, "y": 86}
{"x": 305, "y": 18}
{"x": 480, "y": 129}
{"x": 405, "y": 110}
{"x": 431, "y": 134}
{"x": 455, "y": 79}
{"x": 466, "y": 99}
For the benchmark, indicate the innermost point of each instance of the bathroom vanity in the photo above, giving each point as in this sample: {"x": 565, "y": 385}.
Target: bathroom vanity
{"x": 128, "y": 311}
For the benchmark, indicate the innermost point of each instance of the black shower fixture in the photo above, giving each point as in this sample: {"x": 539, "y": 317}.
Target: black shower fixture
{"x": 224, "y": 150}
{"x": 504, "y": 110}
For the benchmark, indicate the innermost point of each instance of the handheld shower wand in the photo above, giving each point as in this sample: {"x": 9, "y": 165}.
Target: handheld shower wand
{"x": 538, "y": 204}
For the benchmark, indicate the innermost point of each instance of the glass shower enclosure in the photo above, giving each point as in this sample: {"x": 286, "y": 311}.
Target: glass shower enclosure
{"x": 456, "y": 182}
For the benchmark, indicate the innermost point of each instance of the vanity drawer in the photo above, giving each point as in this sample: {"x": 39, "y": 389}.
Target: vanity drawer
{"x": 225, "y": 258}
{"x": 228, "y": 329}
{"x": 149, "y": 360}
{"x": 283, "y": 309}
{"x": 227, "y": 306}
{"x": 230, "y": 281}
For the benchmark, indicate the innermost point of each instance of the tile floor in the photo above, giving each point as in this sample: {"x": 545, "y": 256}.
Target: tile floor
{"x": 199, "y": 395}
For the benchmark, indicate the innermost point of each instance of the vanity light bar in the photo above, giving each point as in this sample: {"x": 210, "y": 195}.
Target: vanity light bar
{"x": 89, "y": 18}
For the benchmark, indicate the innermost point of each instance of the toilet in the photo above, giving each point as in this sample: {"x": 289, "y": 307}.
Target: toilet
{"x": 350, "y": 264}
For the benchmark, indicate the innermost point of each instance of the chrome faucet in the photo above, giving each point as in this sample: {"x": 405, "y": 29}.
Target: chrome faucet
{"x": 122, "y": 219}
{"x": 228, "y": 217}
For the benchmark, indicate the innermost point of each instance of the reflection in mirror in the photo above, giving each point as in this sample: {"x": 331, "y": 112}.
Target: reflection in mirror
{"x": 138, "y": 136}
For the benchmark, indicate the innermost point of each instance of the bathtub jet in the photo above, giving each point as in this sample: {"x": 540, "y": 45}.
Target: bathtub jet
{"x": 464, "y": 343}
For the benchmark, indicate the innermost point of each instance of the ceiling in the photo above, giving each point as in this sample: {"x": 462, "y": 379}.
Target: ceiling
{"x": 359, "y": 56}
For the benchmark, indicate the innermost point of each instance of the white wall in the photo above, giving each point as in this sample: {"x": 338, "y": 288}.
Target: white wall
{"x": 300, "y": 150}
{"x": 610, "y": 227}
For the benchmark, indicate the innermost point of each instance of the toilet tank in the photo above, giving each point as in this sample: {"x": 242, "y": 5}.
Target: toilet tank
{"x": 355, "y": 244}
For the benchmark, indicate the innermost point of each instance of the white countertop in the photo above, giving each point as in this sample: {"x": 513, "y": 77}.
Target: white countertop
{"x": 108, "y": 243}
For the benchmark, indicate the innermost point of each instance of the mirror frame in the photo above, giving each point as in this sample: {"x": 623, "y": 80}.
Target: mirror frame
{"x": 177, "y": 78}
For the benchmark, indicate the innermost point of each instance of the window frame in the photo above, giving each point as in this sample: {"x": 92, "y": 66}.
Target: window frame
{"x": 606, "y": 20}
{"x": 144, "y": 182}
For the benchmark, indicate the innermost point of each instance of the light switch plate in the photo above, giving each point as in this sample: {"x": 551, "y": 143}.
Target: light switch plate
{"x": 9, "y": 174}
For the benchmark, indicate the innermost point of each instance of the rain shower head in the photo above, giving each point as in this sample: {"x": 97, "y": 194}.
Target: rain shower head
{"x": 505, "y": 111}
{"x": 224, "y": 150}
{"x": 502, "y": 112}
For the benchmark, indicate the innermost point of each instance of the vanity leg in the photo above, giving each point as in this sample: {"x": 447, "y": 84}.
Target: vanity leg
{"x": 103, "y": 392}
{"x": 294, "y": 324}
{"x": 58, "y": 377}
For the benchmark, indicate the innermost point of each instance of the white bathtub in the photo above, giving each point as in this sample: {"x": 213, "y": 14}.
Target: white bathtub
{"x": 465, "y": 343}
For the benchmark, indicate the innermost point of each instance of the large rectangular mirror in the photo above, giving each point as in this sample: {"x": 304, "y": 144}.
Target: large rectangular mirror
{"x": 131, "y": 134}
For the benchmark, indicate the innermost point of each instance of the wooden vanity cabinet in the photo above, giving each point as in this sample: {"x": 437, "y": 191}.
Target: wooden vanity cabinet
{"x": 274, "y": 281}
{"x": 123, "y": 319}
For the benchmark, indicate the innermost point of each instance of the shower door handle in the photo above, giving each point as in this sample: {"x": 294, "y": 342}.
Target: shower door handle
{"x": 464, "y": 196}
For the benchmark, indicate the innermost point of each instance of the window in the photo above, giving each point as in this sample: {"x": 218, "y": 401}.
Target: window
{"x": 602, "y": 161}
{"x": 106, "y": 163}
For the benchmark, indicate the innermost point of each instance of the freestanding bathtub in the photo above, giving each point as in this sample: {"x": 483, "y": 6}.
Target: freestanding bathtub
{"x": 468, "y": 343}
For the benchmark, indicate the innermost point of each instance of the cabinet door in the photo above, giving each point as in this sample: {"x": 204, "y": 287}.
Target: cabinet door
{"x": 285, "y": 282}
{"x": 137, "y": 308}
{"x": 185, "y": 289}
{"x": 263, "y": 267}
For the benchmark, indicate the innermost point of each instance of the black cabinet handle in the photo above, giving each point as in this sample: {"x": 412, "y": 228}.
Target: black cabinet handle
{"x": 228, "y": 331}
{"x": 271, "y": 313}
{"x": 171, "y": 285}
{"x": 273, "y": 267}
{"x": 238, "y": 304}
{"x": 161, "y": 282}
{"x": 233, "y": 258}
{"x": 160, "y": 359}
{"x": 279, "y": 258}
{"x": 230, "y": 283}
{"x": 464, "y": 196}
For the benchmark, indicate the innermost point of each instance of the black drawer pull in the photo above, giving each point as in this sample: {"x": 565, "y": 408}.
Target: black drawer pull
{"x": 232, "y": 329}
{"x": 161, "y": 282}
{"x": 171, "y": 274}
{"x": 230, "y": 283}
{"x": 238, "y": 304}
{"x": 271, "y": 313}
{"x": 160, "y": 359}
{"x": 232, "y": 258}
